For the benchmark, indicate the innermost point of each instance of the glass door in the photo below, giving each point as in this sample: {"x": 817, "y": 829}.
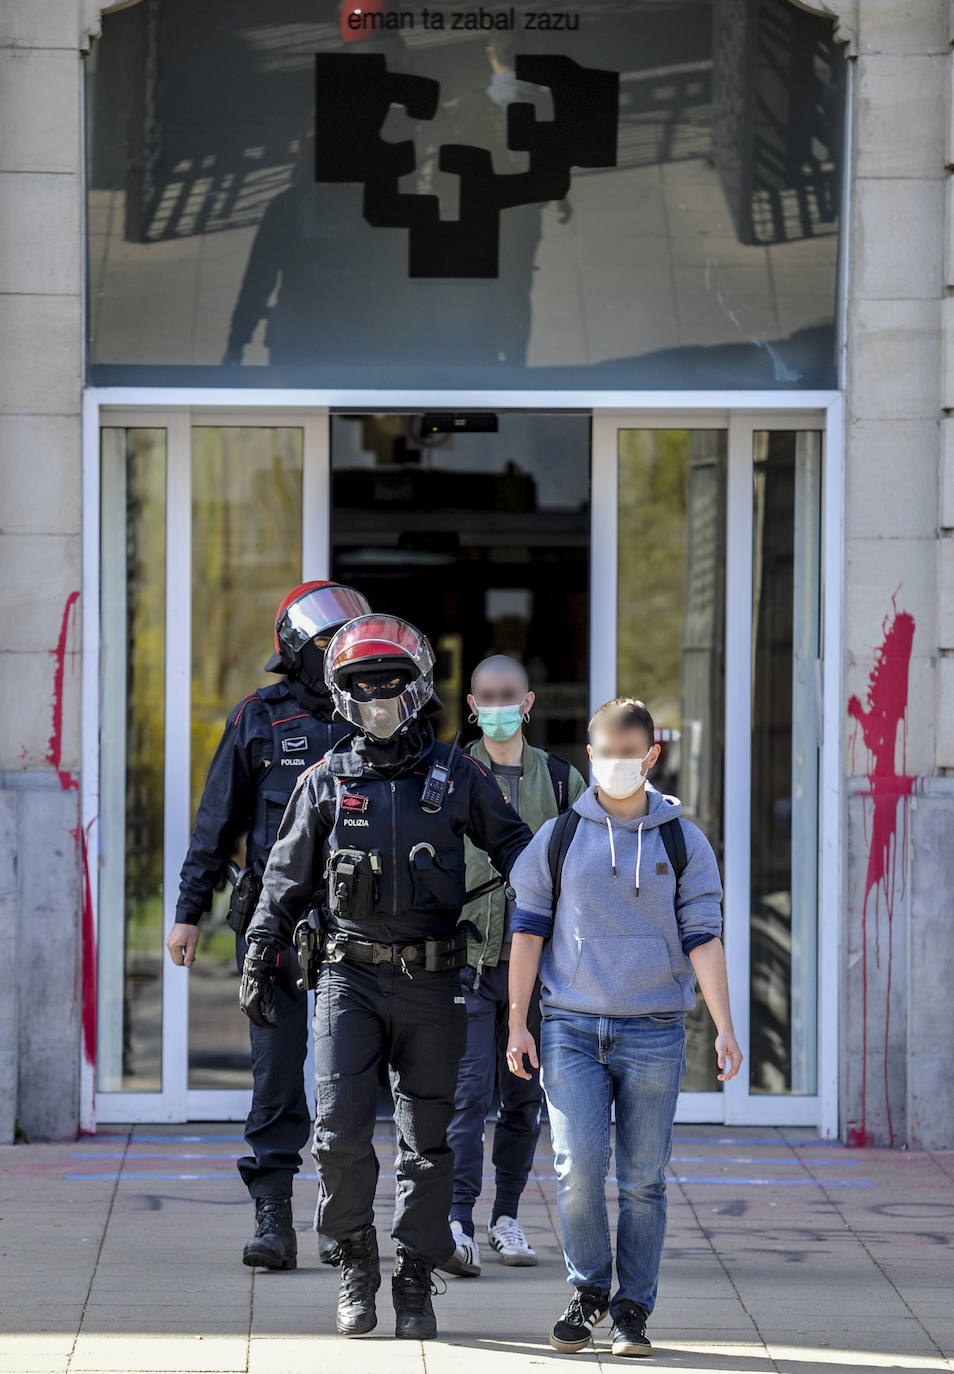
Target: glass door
{"x": 707, "y": 604}
{"x": 205, "y": 523}
{"x": 705, "y": 597}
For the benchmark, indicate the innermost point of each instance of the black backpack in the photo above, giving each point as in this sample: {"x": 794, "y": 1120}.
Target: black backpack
{"x": 559, "y": 770}
{"x": 561, "y": 837}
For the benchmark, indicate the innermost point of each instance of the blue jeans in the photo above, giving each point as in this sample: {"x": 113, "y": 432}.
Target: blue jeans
{"x": 588, "y": 1064}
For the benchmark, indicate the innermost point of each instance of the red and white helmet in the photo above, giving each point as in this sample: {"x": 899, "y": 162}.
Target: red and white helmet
{"x": 311, "y": 609}
{"x": 380, "y": 672}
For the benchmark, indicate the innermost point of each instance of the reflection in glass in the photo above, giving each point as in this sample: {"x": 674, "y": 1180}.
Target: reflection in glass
{"x": 133, "y": 610}
{"x": 246, "y": 554}
{"x": 482, "y": 540}
{"x": 701, "y": 252}
{"x": 785, "y": 740}
{"x": 671, "y": 632}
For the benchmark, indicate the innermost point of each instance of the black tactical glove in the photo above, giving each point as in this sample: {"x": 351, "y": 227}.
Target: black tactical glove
{"x": 257, "y": 988}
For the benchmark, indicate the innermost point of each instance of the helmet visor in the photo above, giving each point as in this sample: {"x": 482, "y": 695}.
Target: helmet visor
{"x": 320, "y": 611}
{"x": 371, "y": 638}
{"x": 383, "y": 716}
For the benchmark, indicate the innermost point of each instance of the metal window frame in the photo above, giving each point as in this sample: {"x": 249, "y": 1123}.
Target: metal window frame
{"x": 741, "y": 413}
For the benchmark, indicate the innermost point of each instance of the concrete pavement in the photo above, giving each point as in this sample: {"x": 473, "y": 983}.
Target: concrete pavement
{"x": 785, "y": 1254}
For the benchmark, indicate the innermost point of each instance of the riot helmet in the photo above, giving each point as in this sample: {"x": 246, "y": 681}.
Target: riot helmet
{"x": 380, "y": 672}
{"x": 310, "y": 610}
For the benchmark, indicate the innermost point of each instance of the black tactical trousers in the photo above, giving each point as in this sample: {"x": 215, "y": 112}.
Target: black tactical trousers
{"x": 365, "y": 1014}
{"x": 277, "y": 1126}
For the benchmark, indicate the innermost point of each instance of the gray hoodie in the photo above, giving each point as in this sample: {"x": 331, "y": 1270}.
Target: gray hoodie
{"x": 618, "y": 944}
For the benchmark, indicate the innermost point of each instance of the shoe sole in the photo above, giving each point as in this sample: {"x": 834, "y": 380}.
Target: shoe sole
{"x": 416, "y": 1335}
{"x": 259, "y": 1262}
{"x": 626, "y": 1350}
{"x": 569, "y": 1347}
{"x": 458, "y": 1270}
{"x": 517, "y": 1261}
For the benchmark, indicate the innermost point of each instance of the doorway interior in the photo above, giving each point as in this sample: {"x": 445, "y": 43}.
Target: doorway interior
{"x": 483, "y": 540}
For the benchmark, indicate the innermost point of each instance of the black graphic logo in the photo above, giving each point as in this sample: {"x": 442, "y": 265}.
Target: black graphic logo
{"x": 354, "y": 93}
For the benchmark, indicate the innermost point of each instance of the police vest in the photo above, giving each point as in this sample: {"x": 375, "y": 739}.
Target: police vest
{"x": 298, "y": 740}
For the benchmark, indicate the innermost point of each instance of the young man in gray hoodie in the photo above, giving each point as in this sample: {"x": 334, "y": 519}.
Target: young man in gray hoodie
{"x": 618, "y": 962}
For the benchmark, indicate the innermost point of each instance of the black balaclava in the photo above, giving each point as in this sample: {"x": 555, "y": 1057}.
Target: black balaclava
{"x": 311, "y": 668}
{"x": 307, "y": 682}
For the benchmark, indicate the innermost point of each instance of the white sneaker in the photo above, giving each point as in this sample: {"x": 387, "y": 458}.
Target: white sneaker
{"x": 507, "y": 1238}
{"x": 464, "y": 1263}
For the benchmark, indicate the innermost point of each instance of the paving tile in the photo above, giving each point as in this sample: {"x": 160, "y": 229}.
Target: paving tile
{"x": 335, "y": 1355}
{"x": 803, "y": 1268}
{"x": 153, "y": 1354}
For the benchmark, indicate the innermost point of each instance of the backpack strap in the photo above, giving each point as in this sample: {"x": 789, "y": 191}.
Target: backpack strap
{"x": 559, "y": 770}
{"x": 674, "y": 839}
{"x": 564, "y": 828}
{"x": 561, "y": 837}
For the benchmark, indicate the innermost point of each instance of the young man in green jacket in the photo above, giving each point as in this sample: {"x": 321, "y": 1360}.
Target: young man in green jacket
{"x": 538, "y": 786}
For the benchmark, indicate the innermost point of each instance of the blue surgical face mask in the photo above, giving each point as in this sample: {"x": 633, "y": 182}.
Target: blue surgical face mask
{"x": 499, "y": 722}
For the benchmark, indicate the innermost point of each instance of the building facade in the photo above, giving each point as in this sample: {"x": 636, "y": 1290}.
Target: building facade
{"x": 613, "y": 336}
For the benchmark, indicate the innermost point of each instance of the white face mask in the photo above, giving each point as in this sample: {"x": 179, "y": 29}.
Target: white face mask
{"x": 620, "y": 778}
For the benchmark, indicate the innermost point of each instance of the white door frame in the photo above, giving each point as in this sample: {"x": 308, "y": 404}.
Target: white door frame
{"x": 735, "y": 1105}
{"x": 175, "y": 409}
{"x": 176, "y": 1101}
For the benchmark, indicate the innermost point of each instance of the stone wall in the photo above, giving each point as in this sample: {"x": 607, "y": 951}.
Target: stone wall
{"x": 41, "y": 351}
{"x": 897, "y": 1009}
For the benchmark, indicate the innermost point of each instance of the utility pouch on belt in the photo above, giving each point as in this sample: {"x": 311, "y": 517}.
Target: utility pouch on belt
{"x": 352, "y": 883}
{"x": 246, "y": 890}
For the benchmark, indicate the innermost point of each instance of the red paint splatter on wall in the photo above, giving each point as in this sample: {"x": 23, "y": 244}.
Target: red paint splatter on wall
{"x": 70, "y": 783}
{"x": 881, "y": 720}
{"x": 54, "y": 753}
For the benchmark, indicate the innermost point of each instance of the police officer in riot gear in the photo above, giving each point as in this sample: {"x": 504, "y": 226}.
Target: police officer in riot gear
{"x": 270, "y": 738}
{"x": 375, "y": 836}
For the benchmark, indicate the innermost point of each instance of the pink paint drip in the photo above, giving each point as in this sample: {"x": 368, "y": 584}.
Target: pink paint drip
{"x": 883, "y": 715}
{"x": 70, "y": 782}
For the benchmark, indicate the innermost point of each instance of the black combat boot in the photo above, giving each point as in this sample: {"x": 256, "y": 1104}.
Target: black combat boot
{"x": 411, "y": 1289}
{"x": 274, "y": 1244}
{"x": 357, "y": 1255}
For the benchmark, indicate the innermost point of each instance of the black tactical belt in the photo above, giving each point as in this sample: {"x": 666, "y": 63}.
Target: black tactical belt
{"x": 434, "y": 956}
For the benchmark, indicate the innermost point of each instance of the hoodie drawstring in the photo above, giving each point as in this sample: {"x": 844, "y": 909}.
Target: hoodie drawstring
{"x": 609, "y": 826}
{"x": 639, "y": 849}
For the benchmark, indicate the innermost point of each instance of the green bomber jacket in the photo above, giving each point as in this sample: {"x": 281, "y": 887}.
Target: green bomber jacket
{"x": 537, "y": 803}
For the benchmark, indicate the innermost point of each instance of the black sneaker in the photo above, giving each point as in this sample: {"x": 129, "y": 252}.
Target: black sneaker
{"x": 274, "y": 1244}
{"x": 412, "y": 1287}
{"x": 629, "y": 1331}
{"x": 573, "y": 1330}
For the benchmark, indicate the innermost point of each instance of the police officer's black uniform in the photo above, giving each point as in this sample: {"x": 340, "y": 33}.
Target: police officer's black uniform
{"x": 271, "y": 737}
{"x": 388, "y": 982}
